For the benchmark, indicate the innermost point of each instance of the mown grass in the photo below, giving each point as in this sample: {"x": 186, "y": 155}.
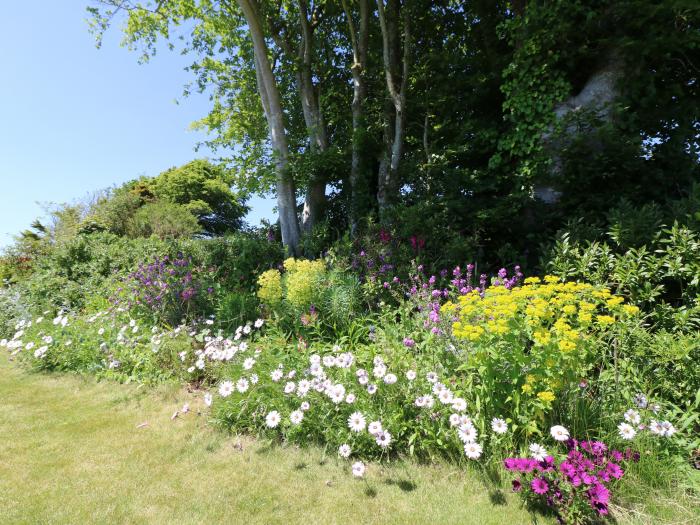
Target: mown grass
{"x": 72, "y": 452}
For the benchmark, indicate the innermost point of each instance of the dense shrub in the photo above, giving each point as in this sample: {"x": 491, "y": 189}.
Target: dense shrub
{"x": 164, "y": 220}
{"x": 662, "y": 278}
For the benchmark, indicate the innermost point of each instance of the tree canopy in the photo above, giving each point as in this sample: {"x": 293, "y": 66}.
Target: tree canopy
{"x": 495, "y": 121}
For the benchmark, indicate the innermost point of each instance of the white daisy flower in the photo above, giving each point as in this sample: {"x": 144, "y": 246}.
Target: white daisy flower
{"x": 538, "y": 452}
{"x": 454, "y": 420}
{"x": 344, "y": 450}
{"x": 350, "y": 399}
{"x": 290, "y": 387}
{"x": 411, "y": 375}
{"x": 259, "y": 323}
{"x": 559, "y": 433}
{"x": 363, "y": 380}
{"x": 246, "y": 329}
{"x": 305, "y": 406}
{"x": 242, "y": 385}
{"x": 248, "y": 363}
{"x": 467, "y": 433}
{"x": 432, "y": 377}
{"x": 41, "y": 351}
{"x": 208, "y": 399}
{"x": 371, "y": 389}
{"x": 328, "y": 360}
{"x": 374, "y": 428}
{"x": 445, "y": 397}
{"x": 273, "y": 419}
{"x": 296, "y": 417}
{"x": 472, "y": 450}
{"x": 668, "y": 429}
{"x": 357, "y": 422}
{"x": 358, "y": 469}
{"x": 383, "y": 438}
{"x": 226, "y": 388}
{"x": 655, "y": 427}
{"x": 390, "y": 379}
{"x": 379, "y": 371}
{"x": 633, "y": 417}
{"x": 29, "y": 345}
{"x": 254, "y": 379}
{"x": 626, "y": 430}
{"x": 499, "y": 426}
{"x": 459, "y": 404}
{"x": 101, "y": 331}
{"x": 276, "y": 375}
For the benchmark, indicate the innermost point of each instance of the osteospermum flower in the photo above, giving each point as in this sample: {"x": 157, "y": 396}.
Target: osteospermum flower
{"x": 539, "y": 485}
{"x": 344, "y": 450}
{"x": 372, "y": 389}
{"x": 358, "y": 469}
{"x": 276, "y": 375}
{"x": 248, "y": 363}
{"x": 273, "y": 419}
{"x": 655, "y": 427}
{"x": 226, "y": 388}
{"x": 445, "y": 397}
{"x": 357, "y": 422}
{"x": 459, "y": 404}
{"x": 667, "y": 428}
{"x": 626, "y": 430}
{"x": 411, "y": 375}
{"x": 305, "y": 406}
{"x": 499, "y": 426}
{"x": 538, "y": 452}
{"x": 374, "y": 428}
{"x": 290, "y": 387}
{"x": 296, "y": 417}
{"x": 473, "y": 450}
{"x": 383, "y": 438}
{"x": 432, "y": 377}
{"x": 467, "y": 433}
{"x": 259, "y": 323}
{"x": 633, "y": 417}
{"x": 242, "y": 385}
{"x": 454, "y": 420}
{"x": 390, "y": 379}
{"x": 559, "y": 433}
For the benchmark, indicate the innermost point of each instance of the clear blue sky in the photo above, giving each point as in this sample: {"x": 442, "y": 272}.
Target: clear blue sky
{"x": 75, "y": 119}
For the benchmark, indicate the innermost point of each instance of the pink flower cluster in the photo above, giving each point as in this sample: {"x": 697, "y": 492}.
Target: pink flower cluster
{"x": 582, "y": 476}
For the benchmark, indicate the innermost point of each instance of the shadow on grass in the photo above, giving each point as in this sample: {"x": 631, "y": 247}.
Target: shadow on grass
{"x": 404, "y": 484}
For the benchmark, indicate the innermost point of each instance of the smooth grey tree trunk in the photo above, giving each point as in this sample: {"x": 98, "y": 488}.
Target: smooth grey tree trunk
{"x": 271, "y": 102}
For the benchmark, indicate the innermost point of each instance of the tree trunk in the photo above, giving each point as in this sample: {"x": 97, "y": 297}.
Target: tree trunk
{"x": 397, "y": 85}
{"x": 358, "y": 183}
{"x": 595, "y": 99}
{"x": 315, "y": 198}
{"x": 271, "y": 101}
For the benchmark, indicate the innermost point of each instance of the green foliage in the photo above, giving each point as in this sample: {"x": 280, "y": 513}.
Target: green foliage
{"x": 205, "y": 190}
{"x": 661, "y": 278}
{"x": 164, "y": 220}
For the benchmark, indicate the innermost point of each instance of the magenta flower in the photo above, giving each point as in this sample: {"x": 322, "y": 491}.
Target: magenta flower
{"x": 539, "y": 485}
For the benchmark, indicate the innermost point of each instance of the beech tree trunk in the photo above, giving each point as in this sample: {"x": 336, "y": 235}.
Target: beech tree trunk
{"x": 594, "y": 101}
{"x": 315, "y": 198}
{"x": 396, "y": 67}
{"x": 358, "y": 183}
{"x": 271, "y": 102}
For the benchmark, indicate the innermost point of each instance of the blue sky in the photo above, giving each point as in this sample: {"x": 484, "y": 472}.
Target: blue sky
{"x": 75, "y": 119}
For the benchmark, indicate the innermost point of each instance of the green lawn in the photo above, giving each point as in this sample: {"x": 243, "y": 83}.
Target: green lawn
{"x": 72, "y": 452}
